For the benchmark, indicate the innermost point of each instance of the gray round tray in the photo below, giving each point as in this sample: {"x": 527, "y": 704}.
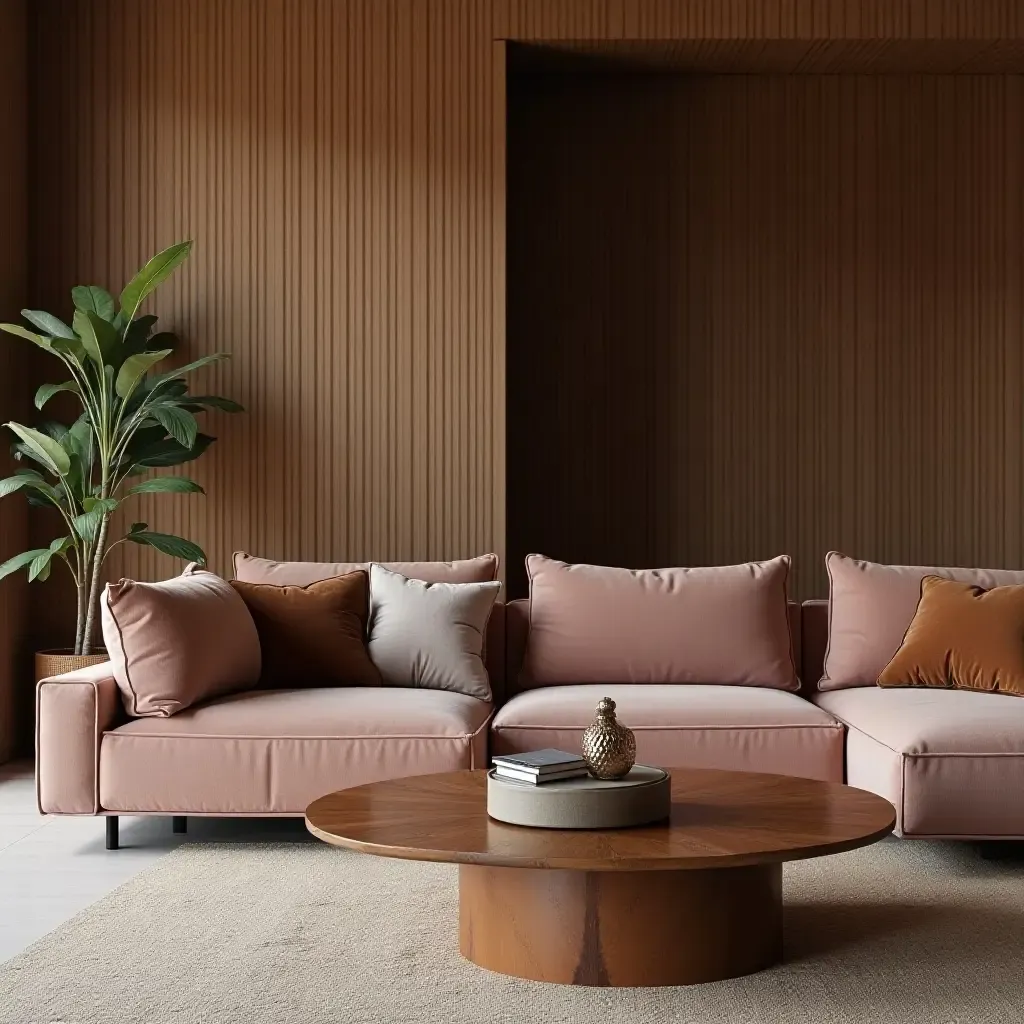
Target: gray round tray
{"x": 641, "y": 797}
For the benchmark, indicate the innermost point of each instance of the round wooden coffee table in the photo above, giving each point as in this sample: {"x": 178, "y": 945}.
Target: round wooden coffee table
{"x": 697, "y": 898}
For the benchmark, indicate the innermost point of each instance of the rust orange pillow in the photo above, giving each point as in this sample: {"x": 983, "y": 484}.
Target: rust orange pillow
{"x": 313, "y": 635}
{"x": 962, "y": 637}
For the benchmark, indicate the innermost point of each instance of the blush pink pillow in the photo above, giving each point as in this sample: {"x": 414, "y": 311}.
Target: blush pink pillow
{"x": 598, "y": 624}
{"x": 250, "y": 569}
{"x": 870, "y": 610}
{"x": 175, "y": 643}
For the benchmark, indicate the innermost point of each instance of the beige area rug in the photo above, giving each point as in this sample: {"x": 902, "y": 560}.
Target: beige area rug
{"x": 299, "y": 934}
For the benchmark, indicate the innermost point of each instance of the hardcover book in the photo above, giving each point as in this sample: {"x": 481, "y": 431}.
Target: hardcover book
{"x": 540, "y": 761}
{"x": 536, "y": 778}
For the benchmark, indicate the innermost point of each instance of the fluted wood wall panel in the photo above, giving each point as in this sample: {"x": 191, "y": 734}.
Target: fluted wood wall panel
{"x": 13, "y": 282}
{"x": 339, "y": 168}
{"x": 766, "y": 314}
{"x": 340, "y": 164}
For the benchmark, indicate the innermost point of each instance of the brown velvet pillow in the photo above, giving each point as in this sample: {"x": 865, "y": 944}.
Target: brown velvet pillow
{"x": 962, "y": 637}
{"x": 313, "y": 635}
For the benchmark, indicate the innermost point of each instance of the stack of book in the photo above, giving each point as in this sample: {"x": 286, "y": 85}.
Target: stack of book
{"x": 539, "y": 766}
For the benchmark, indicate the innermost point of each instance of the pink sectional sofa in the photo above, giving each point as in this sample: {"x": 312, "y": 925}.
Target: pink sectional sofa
{"x": 951, "y": 762}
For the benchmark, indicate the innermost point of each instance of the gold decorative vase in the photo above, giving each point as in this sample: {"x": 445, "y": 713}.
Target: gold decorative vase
{"x": 609, "y": 748}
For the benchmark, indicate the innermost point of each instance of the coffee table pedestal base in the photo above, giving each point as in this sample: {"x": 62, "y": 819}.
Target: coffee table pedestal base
{"x": 621, "y": 928}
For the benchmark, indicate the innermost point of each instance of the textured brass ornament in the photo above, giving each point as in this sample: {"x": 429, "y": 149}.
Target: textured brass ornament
{"x": 608, "y": 747}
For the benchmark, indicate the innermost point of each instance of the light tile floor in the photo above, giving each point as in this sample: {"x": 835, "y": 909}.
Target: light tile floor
{"x": 51, "y": 868}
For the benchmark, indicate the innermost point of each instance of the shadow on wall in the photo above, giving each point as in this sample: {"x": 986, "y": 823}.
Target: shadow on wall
{"x": 589, "y": 304}
{"x": 759, "y": 314}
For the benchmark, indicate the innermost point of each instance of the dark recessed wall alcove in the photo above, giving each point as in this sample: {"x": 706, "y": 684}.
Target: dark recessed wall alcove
{"x": 756, "y": 313}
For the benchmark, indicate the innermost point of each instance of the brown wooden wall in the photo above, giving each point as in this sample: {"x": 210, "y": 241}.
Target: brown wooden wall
{"x": 347, "y": 221}
{"x": 340, "y": 164}
{"x": 13, "y": 404}
{"x": 759, "y": 314}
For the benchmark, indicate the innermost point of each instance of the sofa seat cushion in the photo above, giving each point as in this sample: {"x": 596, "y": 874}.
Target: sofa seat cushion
{"x": 692, "y": 725}
{"x": 275, "y": 751}
{"x": 950, "y": 761}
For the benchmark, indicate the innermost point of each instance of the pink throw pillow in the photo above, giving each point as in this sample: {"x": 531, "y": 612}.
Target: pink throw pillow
{"x": 870, "y": 610}
{"x": 598, "y": 624}
{"x": 175, "y": 643}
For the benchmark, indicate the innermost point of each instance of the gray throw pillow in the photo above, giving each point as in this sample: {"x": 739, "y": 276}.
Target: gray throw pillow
{"x": 430, "y": 635}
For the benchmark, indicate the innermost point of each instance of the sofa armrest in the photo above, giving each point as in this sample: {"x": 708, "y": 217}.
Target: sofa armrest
{"x": 72, "y": 712}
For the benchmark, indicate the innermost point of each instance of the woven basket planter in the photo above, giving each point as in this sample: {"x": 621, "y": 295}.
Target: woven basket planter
{"x": 59, "y": 660}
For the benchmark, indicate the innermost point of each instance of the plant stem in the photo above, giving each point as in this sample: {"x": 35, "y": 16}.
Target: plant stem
{"x": 80, "y": 585}
{"x": 80, "y": 621}
{"x": 90, "y": 613}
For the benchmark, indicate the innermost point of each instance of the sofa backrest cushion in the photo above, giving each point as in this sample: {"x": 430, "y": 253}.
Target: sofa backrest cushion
{"x": 250, "y": 569}
{"x": 871, "y": 607}
{"x": 495, "y": 651}
{"x": 517, "y": 629}
{"x": 313, "y": 635}
{"x": 175, "y": 643}
{"x": 599, "y": 624}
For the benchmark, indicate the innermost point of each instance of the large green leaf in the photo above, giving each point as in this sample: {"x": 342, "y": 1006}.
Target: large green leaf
{"x": 80, "y": 439}
{"x": 25, "y": 478}
{"x": 71, "y": 348}
{"x": 164, "y": 485}
{"x": 176, "y": 547}
{"x": 78, "y": 442}
{"x": 35, "y": 484}
{"x": 39, "y": 568}
{"x": 55, "y": 429}
{"x": 88, "y": 523}
{"x": 87, "y": 333}
{"x": 145, "y": 393}
{"x": 189, "y": 367}
{"x": 91, "y": 298}
{"x": 167, "y": 452}
{"x": 154, "y": 273}
{"x": 196, "y": 402}
{"x": 134, "y": 368}
{"x": 23, "y": 332}
{"x": 136, "y": 337}
{"x": 181, "y": 425}
{"x": 45, "y": 450}
{"x": 20, "y": 561}
{"x": 165, "y": 339}
{"x": 47, "y": 391}
{"x": 142, "y": 440}
{"x": 11, "y": 484}
{"x": 48, "y": 323}
{"x": 99, "y": 338}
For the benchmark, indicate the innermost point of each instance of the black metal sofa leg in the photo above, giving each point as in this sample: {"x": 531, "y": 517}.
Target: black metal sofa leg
{"x": 111, "y": 831}
{"x": 179, "y": 824}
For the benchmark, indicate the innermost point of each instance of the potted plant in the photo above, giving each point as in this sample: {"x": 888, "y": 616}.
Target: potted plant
{"x": 134, "y": 419}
